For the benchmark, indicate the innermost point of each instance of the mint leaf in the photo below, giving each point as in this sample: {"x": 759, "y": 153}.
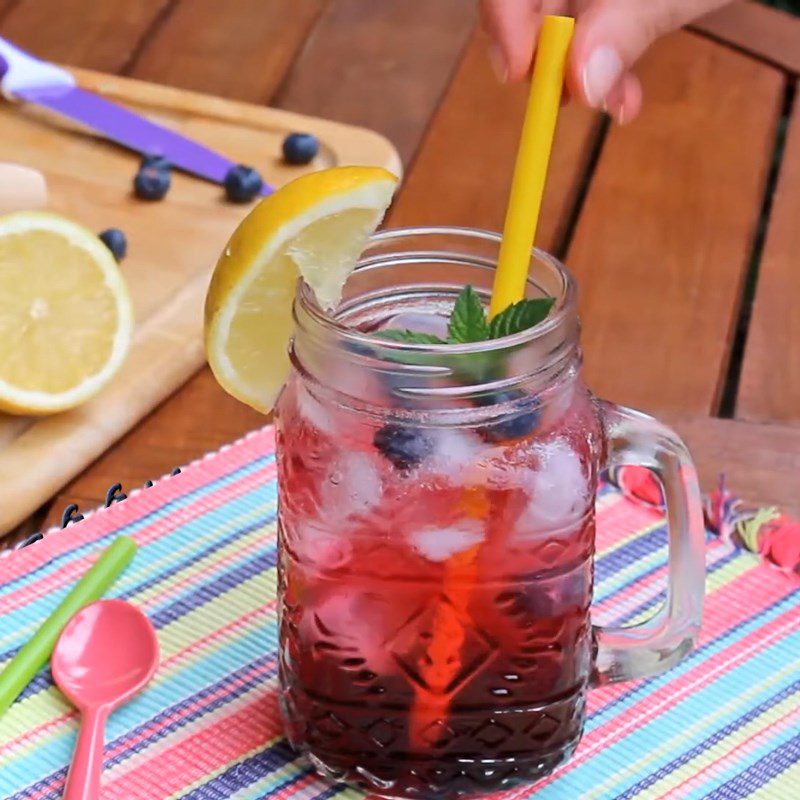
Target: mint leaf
{"x": 409, "y": 337}
{"x": 468, "y": 324}
{"x": 476, "y": 367}
{"x": 469, "y": 366}
{"x": 520, "y": 316}
{"x": 468, "y": 321}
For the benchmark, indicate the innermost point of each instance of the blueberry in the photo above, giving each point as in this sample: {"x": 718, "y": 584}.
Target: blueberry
{"x": 155, "y": 160}
{"x": 300, "y": 148}
{"x": 512, "y": 426}
{"x": 151, "y": 183}
{"x": 404, "y": 446}
{"x": 116, "y": 241}
{"x": 242, "y": 184}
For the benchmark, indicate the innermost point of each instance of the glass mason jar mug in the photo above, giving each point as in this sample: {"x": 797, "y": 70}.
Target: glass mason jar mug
{"x": 436, "y": 531}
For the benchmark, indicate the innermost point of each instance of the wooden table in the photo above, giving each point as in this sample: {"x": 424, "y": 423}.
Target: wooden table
{"x": 682, "y": 228}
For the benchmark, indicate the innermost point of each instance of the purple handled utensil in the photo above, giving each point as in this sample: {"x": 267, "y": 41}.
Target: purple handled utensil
{"x": 26, "y": 78}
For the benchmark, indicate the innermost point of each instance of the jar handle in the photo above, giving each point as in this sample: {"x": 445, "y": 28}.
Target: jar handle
{"x": 656, "y": 645}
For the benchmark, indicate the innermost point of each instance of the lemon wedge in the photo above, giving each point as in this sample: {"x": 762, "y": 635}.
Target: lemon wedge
{"x": 314, "y": 227}
{"x": 65, "y": 315}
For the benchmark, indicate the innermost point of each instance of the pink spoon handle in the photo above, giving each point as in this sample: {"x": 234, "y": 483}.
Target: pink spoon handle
{"x": 83, "y": 779}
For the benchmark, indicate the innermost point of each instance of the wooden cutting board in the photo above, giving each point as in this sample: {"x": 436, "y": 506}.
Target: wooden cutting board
{"x": 172, "y": 248}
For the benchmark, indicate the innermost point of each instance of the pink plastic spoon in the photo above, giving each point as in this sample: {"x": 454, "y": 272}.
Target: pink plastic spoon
{"x": 106, "y": 654}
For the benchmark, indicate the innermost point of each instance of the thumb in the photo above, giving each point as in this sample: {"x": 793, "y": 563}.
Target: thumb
{"x": 612, "y": 34}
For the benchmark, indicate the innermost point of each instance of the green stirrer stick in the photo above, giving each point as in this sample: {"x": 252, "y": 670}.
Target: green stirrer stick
{"x": 92, "y": 586}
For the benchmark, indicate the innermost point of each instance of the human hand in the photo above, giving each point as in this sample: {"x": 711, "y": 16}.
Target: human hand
{"x": 610, "y": 35}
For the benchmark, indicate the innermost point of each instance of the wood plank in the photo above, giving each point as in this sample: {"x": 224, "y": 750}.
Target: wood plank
{"x": 662, "y": 245}
{"x": 761, "y": 461}
{"x": 769, "y": 387}
{"x": 462, "y": 173}
{"x": 380, "y": 65}
{"x": 167, "y": 349}
{"x": 83, "y": 33}
{"x": 5, "y": 7}
{"x": 198, "y": 418}
{"x": 767, "y": 33}
{"x": 240, "y": 50}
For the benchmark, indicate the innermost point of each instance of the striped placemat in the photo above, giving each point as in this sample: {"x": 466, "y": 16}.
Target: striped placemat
{"x": 723, "y": 724}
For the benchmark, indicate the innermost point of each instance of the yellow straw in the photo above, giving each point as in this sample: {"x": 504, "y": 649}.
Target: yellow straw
{"x": 530, "y": 171}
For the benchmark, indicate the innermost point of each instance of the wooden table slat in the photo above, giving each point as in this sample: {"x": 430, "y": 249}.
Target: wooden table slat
{"x": 662, "y": 245}
{"x": 195, "y": 420}
{"x": 243, "y": 54}
{"x": 761, "y": 463}
{"x": 5, "y": 7}
{"x": 767, "y": 33}
{"x": 769, "y": 387}
{"x": 380, "y": 65}
{"x": 84, "y": 33}
{"x": 462, "y": 173}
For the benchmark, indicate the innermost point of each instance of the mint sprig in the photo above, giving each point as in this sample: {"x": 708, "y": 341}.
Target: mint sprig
{"x": 469, "y": 324}
{"x": 468, "y": 321}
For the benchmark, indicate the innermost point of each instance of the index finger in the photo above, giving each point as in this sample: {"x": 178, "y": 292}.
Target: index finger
{"x": 513, "y": 26}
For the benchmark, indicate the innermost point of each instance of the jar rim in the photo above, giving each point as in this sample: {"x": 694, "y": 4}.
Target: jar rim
{"x": 558, "y": 316}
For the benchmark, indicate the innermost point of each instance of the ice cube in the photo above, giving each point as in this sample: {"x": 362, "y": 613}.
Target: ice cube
{"x": 500, "y": 471}
{"x": 313, "y": 411}
{"x": 556, "y": 406}
{"x": 558, "y": 489}
{"x": 352, "y": 486}
{"x": 439, "y": 544}
{"x": 318, "y": 544}
{"x": 454, "y": 453}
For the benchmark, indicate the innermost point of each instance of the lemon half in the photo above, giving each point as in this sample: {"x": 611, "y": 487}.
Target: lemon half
{"x": 314, "y": 227}
{"x": 65, "y": 314}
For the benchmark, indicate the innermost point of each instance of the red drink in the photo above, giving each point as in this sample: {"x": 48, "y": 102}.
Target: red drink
{"x": 486, "y": 545}
{"x": 436, "y": 530}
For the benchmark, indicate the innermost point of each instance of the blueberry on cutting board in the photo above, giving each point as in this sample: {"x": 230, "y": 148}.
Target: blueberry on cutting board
{"x": 300, "y": 148}
{"x": 404, "y": 446}
{"x": 242, "y": 183}
{"x": 151, "y": 183}
{"x": 116, "y": 241}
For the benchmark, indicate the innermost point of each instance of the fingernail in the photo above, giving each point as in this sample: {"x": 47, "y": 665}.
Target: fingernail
{"x": 498, "y": 62}
{"x": 603, "y": 69}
